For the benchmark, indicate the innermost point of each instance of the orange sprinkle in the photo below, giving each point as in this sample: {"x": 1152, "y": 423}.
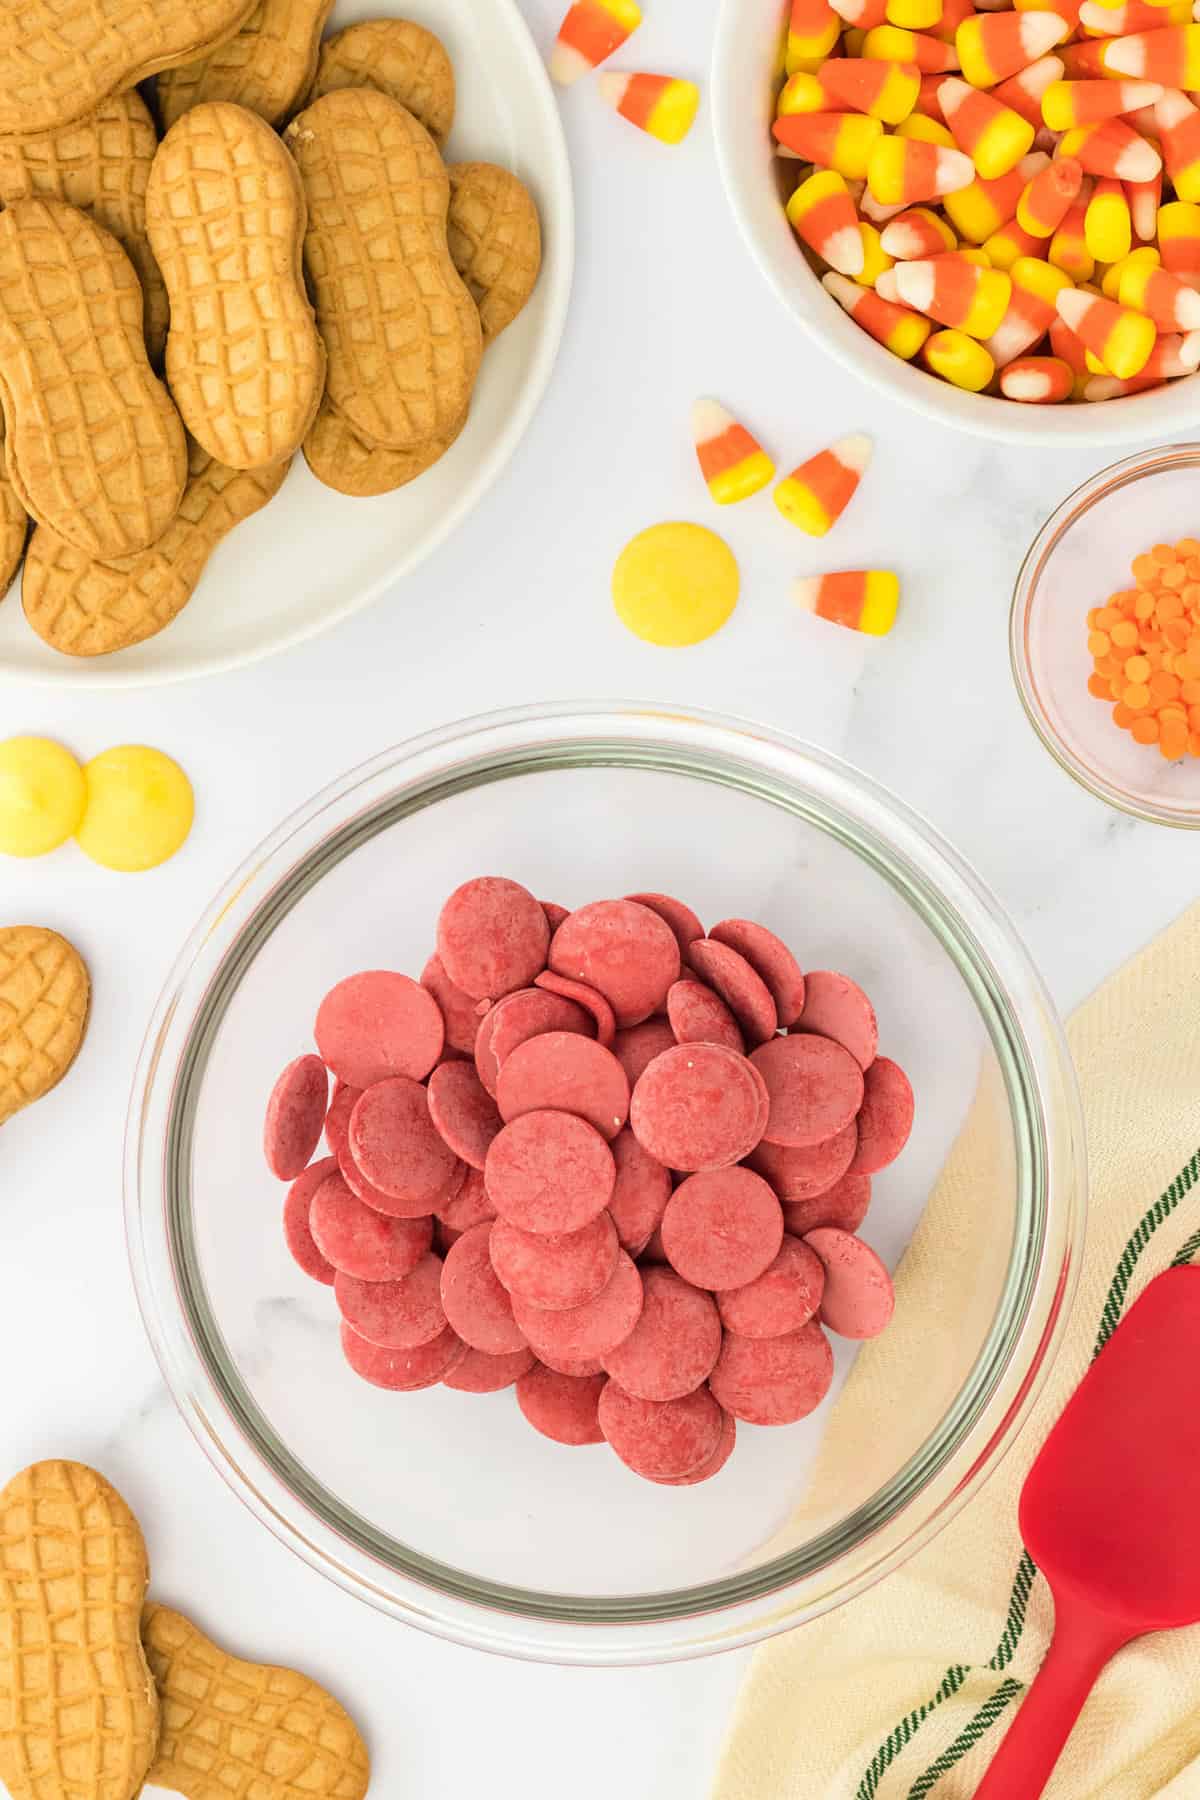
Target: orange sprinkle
{"x": 1176, "y": 633}
{"x": 1098, "y": 643}
{"x": 1124, "y": 635}
{"x": 1144, "y": 569}
{"x": 1144, "y": 605}
{"x": 1175, "y": 576}
{"x": 1138, "y": 669}
{"x": 1108, "y": 616}
{"x": 1192, "y": 567}
{"x": 1194, "y": 743}
{"x": 1163, "y": 687}
{"x": 1163, "y": 555}
{"x": 1193, "y": 718}
{"x": 1187, "y": 547}
{"x": 1145, "y": 730}
{"x": 1108, "y": 665}
{"x": 1098, "y": 688}
{"x": 1137, "y": 696}
{"x": 1172, "y": 739}
{"x": 1190, "y": 691}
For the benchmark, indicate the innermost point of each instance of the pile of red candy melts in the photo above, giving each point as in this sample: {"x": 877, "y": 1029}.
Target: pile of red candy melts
{"x": 602, "y": 1156}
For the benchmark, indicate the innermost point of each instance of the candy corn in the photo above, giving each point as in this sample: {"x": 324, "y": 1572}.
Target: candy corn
{"x": 1068, "y": 348}
{"x": 1112, "y": 148}
{"x": 885, "y": 90}
{"x": 1179, "y": 239}
{"x": 591, "y": 31}
{"x": 813, "y": 30}
{"x": 1069, "y": 103}
{"x": 893, "y": 44}
{"x": 914, "y": 15}
{"x": 1107, "y": 225}
{"x": 1122, "y": 340}
{"x": 955, "y": 292}
{"x": 864, "y": 15}
{"x": 1023, "y": 92}
{"x": 1179, "y": 133}
{"x": 992, "y": 135}
{"x": 876, "y": 261}
{"x": 1170, "y": 56}
{"x": 903, "y": 172}
{"x": 982, "y": 208}
{"x": 1083, "y": 62}
{"x": 1030, "y": 312}
{"x": 1170, "y": 303}
{"x": 841, "y": 141}
{"x": 1049, "y": 197}
{"x": 816, "y": 494}
{"x": 926, "y": 130}
{"x": 917, "y": 233}
{"x": 1068, "y": 247}
{"x": 953, "y": 14}
{"x": 732, "y": 462}
{"x": 895, "y": 327}
{"x": 1144, "y": 199}
{"x": 1005, "y": 246}
{"x": 662, "y": 105}
{"x": 1132, "y": 20}
{"x": 993, "y": 46}
{"x": 1037, "y": 380}
{"x": 822, "y": 213}
{"x": 861, "y": 599}
{"x": 1110, "y": 281}
{"x": 959, "y": 360}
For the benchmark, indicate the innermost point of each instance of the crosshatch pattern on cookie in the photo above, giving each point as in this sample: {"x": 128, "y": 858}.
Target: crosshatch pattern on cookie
{"x": 495, "y": 240}
{"x": 82, "y": 1714}
{"x": 95, "y": 448}
{"x": 242, "y": 1730}
{"x": 342, "y": 460}
{"x": 401, "y": 330}
{"x": 87, "y": 608}
{"x": 44, "y": 992}
{"x": 400, "y": 59}
{"x": 268, "y": 67}
{"x": 60, "y": 58}
{"x": 226, "y": 216}
{"x": 14, "y": 526}
{"x": 102, "y": 165}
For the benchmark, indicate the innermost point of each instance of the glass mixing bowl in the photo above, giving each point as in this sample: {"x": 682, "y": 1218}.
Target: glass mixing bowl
{"x": 445, "y": 1509}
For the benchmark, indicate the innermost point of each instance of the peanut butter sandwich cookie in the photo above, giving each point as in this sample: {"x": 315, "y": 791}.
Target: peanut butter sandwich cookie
{"x": 342, "y": 460}
{"x": 59, "y": 59}
{"x": 401, "y": 331}
{"x": 495, "y": 240}
{"x": 44, "y": 998}
{"x": 233, "y": 1728}
{"x": 268, "y": 67}
{"x": 101, "y": 164}
{"x": 400, "y": 59}
{"x": 94, "y": 446}
{"x": 78, "y": 1707}
{"x": 226, "y": 216}
{"x": 14, "y": 526}
{"x": 87, "y": 608}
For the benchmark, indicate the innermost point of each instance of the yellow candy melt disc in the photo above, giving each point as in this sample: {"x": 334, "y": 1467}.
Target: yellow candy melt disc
{"x": 675, "y": 584}
{"x": 41, "y": 796}
{"x": 139, "y": 808}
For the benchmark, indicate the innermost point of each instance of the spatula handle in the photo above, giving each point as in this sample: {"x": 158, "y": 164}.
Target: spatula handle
{"x": 1082, "y": 1644}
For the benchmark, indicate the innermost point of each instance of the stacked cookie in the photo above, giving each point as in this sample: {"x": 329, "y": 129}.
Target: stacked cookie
{"x": 330, "y": 289}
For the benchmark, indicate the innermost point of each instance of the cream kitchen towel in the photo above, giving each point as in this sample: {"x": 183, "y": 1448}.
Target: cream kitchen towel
{"x": 905, "y": 1692}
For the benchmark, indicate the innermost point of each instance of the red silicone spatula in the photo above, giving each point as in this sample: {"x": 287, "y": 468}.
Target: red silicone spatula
{"x": 1111, "y": 1514}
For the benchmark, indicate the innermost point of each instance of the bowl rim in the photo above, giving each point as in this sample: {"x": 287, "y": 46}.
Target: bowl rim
{"x": 1009, "y": 1368}
{"x": 1131, "y": 419}
{"x": 1096, "y": 489}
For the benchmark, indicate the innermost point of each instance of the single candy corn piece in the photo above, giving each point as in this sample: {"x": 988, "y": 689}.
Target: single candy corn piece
{"x": 895, "y": 327}
{"x": 801, "y": 93}
{"x": 1069, "y": 349}
{"x": 928, "y": 104}
{"x": 1066, "y": 10}
{"x": 955, "y": 292}
{"x": 841, "y": 141}
{"x": 1069, "y": 103}
{"x": 861, "y": 599}
{"x": 732, "y": 462}
{"x": 1108, "y": 387}
{"x": 1031, "y": 310}
{"x": 1179, "y": 239}
{"x": 1120, "y": 338}
{"x": 1174, "y": 355}
{"x": 1084, "y": 62}
{"x": 992, "y": 135}
{"x": 1170, "y": 302}
{"x": 591, "y": 30}
{"x": 822, "y": 213}
{"x": 1023, "y": 92}
{"x": 893, "y": 44}
{"x": 1007, "y": 245}
{"x": 1170, "y": 56}
{"x": 914, "y": 15}
{"x": 1144, "y": 199}
{"x": 926, "y": 130}
{"x": 994, "y": 45}
{"x": 1107, "y": 225}
{"x": 861, "y": 15}
{"x": 959, "y": 360}
{"x": 983, "y": 207}
{"x": 1133, "y": 19}
{"x": 1037, "y": 380}
{"x": 904, "y": 172}
{"x": 1049, "y": 197}
{"x": 816, "y": 494}
{"x": 1112, "y": 148}
{"x": 813, "y": 30}
{"x": 876, "y": 261}
{"x": 953, "y": 14}
{"x": 886, "y": 91}
{"x": 662, "y": 105}
{"x": 1068, "y": 247}
{"x": 917, "y": 233}
{"x": 1110, "y": 282}
{"x": 1179, "y": 135}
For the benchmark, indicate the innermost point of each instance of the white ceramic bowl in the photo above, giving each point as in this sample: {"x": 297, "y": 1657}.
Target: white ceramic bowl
{"x": 313, "y": 557}
{"x": 744, "y": 85}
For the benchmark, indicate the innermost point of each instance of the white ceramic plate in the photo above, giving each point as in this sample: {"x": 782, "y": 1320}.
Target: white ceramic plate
{"x": 312, "y": 556}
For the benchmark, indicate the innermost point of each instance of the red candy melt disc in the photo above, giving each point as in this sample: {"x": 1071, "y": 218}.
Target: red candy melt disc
{"x": 378, "y": 1024}
{"x": 773, "y": 1381}
{"x": 797, "y": 1172}
{"x": 815, "y": 1089}
{"x": 639, "y": 1198}
{"x": 661, "y": 1439}
{"x": 626, "y": 951}
{"x": 463, "y": 1112}
{"x": 553, "y": 1272}
{"x": 783, "y": 1298}
{"x": 562, "y": 1407}
{"x": 590, "y": 998}
{"x": 530, "y": 1012}
{"x": 674, "y": 1344}
{"x": 359, "y": 1241}
{"x": 560, "y": 1072}
{"x": 722, "y": 1228}
{"x": 479, "y": 1373}
{"x": 296, "y": 1231}
{"x": 295, "y": 1116}
{"x": 698, "y": 1015}
{"x": 492, "y": 937}
{"x": 837, "y": 1008}
{"x": 680, "y": 917}
{"x": 844, "y": 1205}
{"x": 740, "y": 986}
{"x": 697, "y": 1107}
{"x": 771, "y": 961}
{"x": 549, "y": 1172}
{"x": 636, "y": 1047}
{"x": 476, "y": 1303}
{"x": 859, "y": 1300}
{"x": 578, "y": 1333}
{"x": 885, "y": 1119}
{"x": 402, "y": 1371}
{"x": 397, "y": 1314}
{"x": 398, "y": 1149}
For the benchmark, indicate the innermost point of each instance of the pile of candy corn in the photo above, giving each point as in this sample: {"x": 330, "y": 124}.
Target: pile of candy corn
{"x": 1013, "y": 197}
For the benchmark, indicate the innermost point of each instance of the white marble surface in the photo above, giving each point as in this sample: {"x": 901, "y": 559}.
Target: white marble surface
{"x": 667, "y": 305}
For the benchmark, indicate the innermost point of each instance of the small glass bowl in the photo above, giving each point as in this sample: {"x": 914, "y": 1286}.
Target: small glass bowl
{"x": 444, "y": 1509}
{"x": 1081, "y": 556}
